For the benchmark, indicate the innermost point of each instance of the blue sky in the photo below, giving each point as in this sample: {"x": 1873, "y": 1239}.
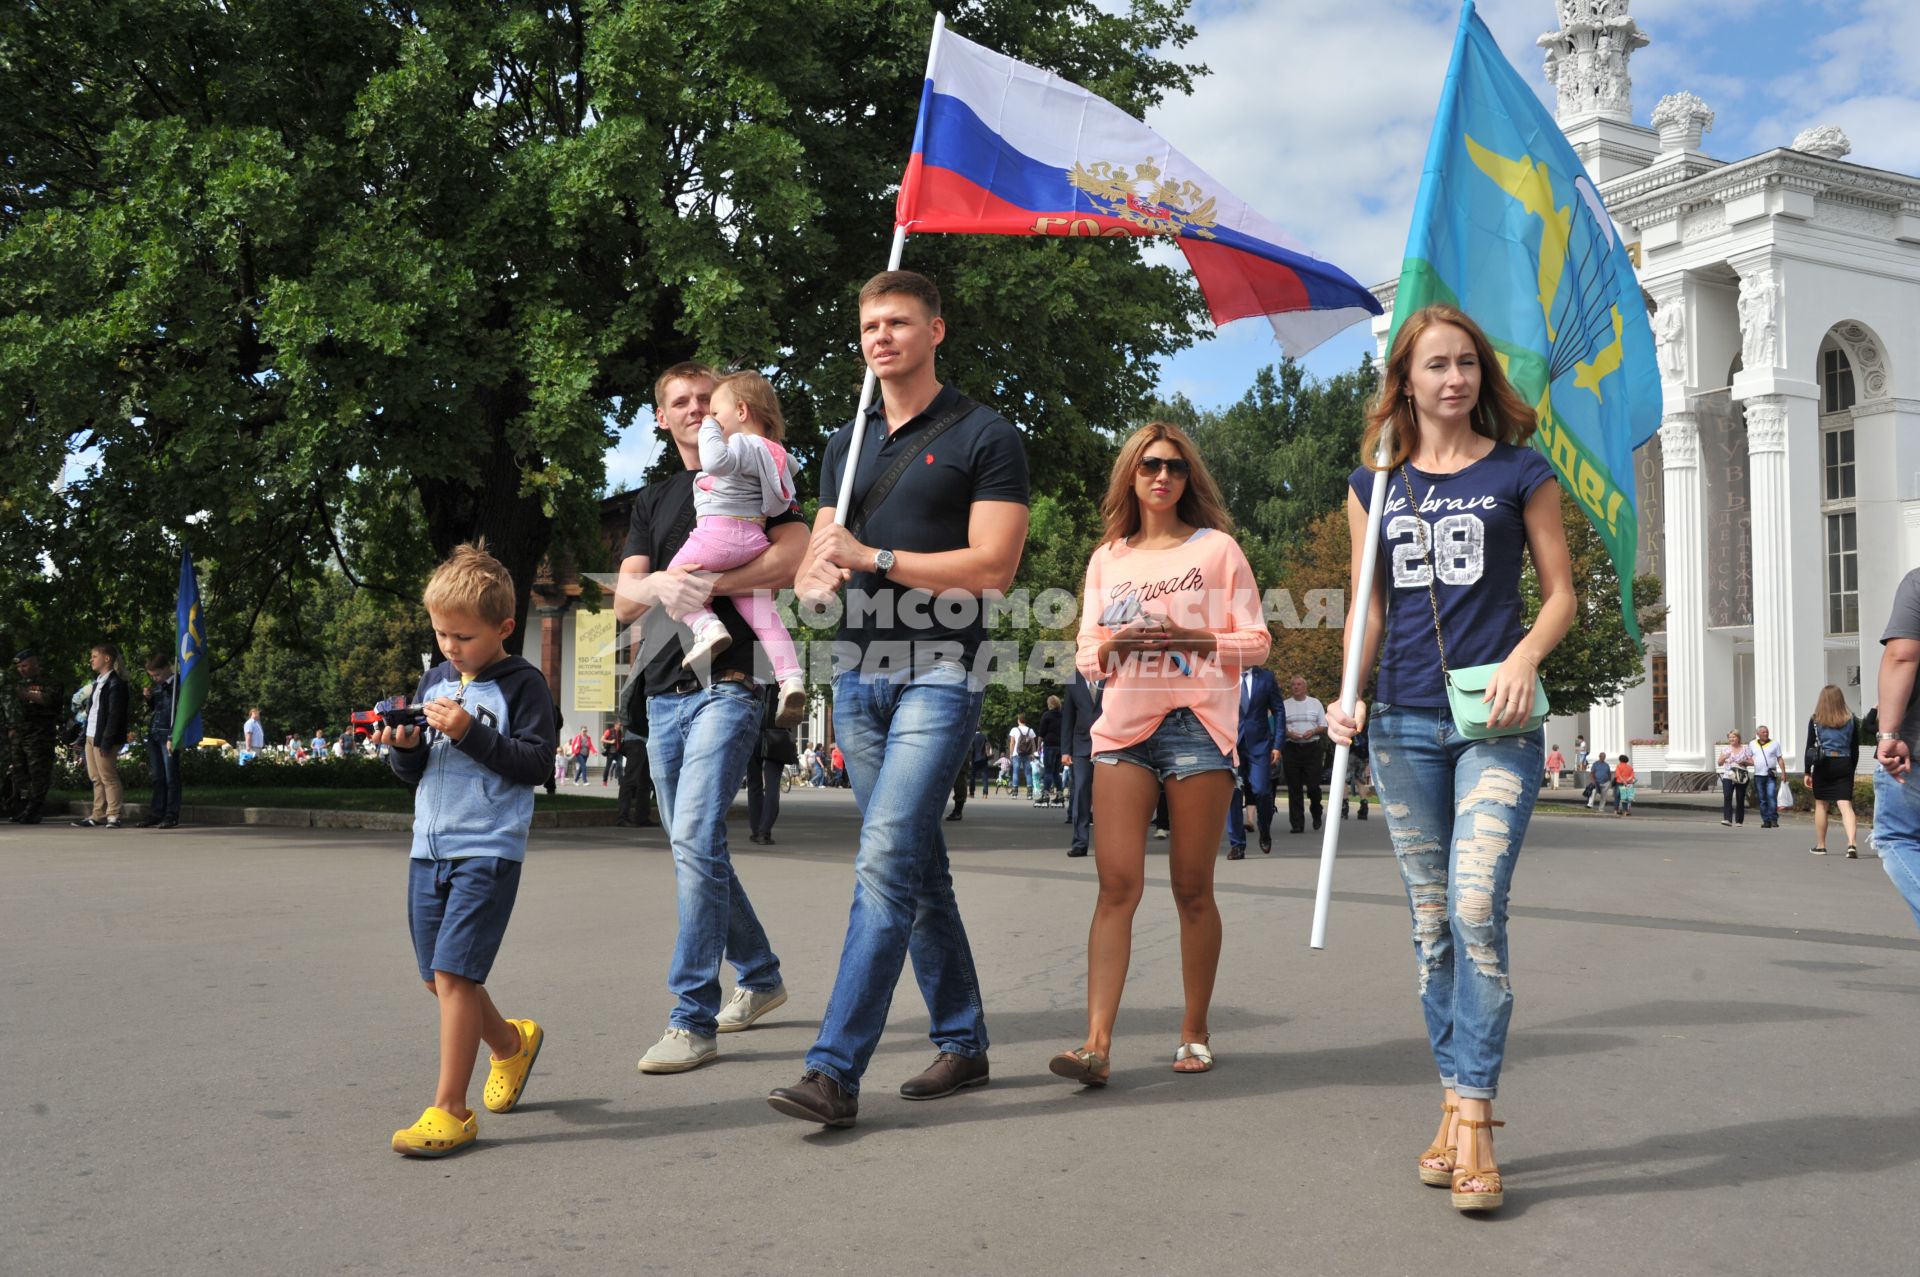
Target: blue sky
{"x": 1283, "y": 124}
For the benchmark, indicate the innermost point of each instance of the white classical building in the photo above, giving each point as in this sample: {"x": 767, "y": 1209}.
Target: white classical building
{"x": 1780, "y": 501}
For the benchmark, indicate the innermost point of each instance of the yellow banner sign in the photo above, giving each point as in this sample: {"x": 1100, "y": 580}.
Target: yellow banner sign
{"x": 593, "y": 662}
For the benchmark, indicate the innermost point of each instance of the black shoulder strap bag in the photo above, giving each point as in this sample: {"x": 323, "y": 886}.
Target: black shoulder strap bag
{"x": 884, "y": 484}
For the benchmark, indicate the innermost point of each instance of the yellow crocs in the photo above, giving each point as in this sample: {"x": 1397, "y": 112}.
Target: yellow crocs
{"x": 436, "y": 1134}
{"x": 507, "y": 1078}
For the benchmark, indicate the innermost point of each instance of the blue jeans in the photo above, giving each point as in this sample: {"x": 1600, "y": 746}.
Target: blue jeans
{"x": 1457, "y": 810}
{"x": 699, "y": 742}
{"x": 1256, "y": 771}
{"x": 1767, "y": 790}
{"x": 904, "y": 737}
{"x": 164, "y": 766}
{"x": 1050, "y": 761}
{"x": 1896, "y": 832}
{"x": 1022, "y": 773}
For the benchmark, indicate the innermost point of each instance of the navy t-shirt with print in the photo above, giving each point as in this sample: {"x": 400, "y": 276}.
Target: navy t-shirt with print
{"x": 1477, "y": 520}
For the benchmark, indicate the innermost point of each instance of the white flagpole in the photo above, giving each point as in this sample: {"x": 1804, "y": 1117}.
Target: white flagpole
{"x": 843, "y": 505}
{"x": 1350, "y": 685}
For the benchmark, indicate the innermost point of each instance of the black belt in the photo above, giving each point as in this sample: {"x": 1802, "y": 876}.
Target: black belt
{"x": 688, "y": 683}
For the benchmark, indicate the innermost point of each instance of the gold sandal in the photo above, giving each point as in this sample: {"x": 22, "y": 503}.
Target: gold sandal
{"x": 1086, "y": 1066}
{"x": 1489, "y": 1198}
{"x": 1439, "y": 1176}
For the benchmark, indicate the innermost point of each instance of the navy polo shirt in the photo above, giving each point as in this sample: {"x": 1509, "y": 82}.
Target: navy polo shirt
{"x": 979, "y": 458}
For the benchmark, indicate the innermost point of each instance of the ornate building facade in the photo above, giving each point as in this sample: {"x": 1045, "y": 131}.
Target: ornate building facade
{"x": 1780, "y": 501}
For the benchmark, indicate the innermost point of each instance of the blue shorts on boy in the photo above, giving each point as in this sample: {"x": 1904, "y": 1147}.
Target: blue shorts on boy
{"x": 473, "y": 805}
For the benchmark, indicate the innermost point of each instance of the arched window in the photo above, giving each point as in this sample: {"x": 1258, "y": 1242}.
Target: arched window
{"x": 1837, "y": 501}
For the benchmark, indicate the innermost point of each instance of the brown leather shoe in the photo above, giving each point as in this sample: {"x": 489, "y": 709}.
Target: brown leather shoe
{"x": 948, "y": 1073}
{"x": 816, "y": 1098}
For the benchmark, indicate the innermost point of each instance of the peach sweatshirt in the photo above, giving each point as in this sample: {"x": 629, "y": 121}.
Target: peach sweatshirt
{"x": 1205, "y": 583}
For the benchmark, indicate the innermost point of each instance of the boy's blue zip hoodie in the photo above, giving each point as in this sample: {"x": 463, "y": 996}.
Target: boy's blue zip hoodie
{"x": 475, "y": 798}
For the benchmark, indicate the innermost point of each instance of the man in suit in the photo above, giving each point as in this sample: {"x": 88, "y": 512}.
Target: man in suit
{"x": 1079, "y": 708}
{"x": 1259, "y": 702}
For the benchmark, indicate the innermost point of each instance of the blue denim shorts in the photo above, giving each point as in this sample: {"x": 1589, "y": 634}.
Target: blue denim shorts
{"x": 458, "y": 910}
{"x": 1180, "y": 747}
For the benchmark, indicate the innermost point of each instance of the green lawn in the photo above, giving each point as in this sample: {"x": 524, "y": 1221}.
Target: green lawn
{"x": 395, "y": 799}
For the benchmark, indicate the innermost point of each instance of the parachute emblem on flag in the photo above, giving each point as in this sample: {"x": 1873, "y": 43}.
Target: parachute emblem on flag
{"x": 1146, "y": 198}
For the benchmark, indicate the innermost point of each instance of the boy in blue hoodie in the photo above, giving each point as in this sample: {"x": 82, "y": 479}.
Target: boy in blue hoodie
{"x": 488, "y": 739}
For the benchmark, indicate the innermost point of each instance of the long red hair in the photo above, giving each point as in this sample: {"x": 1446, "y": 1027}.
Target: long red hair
{"x": 1500, "y": 413}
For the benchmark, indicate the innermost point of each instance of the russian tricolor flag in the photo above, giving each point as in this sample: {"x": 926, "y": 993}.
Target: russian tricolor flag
{"x": 1003, "y": 148}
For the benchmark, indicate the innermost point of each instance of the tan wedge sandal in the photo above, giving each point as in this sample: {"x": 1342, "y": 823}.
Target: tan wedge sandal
{"x": 1439, "y": 1176}
{"x": 1489, "y": 1198}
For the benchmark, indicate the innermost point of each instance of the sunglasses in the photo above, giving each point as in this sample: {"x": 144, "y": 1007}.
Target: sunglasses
{"x": 1176, "y": 467}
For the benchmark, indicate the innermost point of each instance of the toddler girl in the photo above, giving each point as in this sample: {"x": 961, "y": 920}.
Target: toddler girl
{"x": 745, "y": 476}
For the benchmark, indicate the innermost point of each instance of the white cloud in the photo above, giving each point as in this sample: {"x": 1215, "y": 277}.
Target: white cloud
{"x": 632, "y": 453}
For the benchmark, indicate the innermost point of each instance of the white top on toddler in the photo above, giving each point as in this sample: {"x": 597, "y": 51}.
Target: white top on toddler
{"x": 745, "y": 475}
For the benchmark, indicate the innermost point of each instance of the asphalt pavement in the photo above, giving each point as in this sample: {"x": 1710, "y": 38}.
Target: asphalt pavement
{"x": 212, "y": 1033}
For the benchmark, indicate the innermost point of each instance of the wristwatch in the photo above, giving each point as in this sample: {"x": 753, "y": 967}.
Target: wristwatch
{"x": 1888, "y": 736}
{"x": 882, "y": 562}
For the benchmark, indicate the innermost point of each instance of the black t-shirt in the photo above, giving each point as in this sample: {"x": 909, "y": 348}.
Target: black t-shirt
{"x": 661, "y": 521}
{"x": 979, "y": 458}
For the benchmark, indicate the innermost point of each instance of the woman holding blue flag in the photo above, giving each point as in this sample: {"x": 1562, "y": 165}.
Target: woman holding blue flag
{"x": 1457, "y": 776}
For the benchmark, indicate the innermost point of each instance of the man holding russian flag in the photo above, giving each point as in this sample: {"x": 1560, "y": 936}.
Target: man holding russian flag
{"x": 938, "y": 507}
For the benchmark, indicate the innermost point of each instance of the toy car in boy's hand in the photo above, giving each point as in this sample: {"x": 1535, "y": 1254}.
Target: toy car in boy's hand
{"x": 405, "y": 716}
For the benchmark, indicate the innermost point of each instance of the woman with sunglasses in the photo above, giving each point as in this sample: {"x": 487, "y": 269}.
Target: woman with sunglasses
{"x": 1465, "y": 498}
{"x": 1170, "y": 616}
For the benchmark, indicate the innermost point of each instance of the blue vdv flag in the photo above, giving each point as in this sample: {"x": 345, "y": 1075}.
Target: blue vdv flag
{"x": 191, "y": 645}
{"x": 1509, "y": 227}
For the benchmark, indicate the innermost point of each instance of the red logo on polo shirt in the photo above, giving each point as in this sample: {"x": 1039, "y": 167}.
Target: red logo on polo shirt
{"x": 929, "y": 458}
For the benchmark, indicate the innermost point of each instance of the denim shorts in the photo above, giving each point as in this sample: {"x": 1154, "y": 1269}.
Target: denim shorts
{"x": 1180, "y": 747}
{"x": 458, "y": 910}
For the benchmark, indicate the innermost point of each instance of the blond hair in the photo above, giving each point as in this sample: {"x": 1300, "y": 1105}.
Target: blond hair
{"x": 1831, "y": 709}
{"x": 756, "y": 393}
{"x": 471, "y": 580}
{"x": 1200, "y": 504}
{"x": 1499, "y": 413}
{"x": 691, "y": 370}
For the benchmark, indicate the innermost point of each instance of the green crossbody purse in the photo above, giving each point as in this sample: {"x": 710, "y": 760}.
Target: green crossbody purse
{"x": 1467, "y": 687}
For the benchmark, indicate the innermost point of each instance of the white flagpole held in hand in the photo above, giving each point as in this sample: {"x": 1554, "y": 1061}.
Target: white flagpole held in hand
{"x": 1350, "y": 679}
{"x": 843, "y": 504}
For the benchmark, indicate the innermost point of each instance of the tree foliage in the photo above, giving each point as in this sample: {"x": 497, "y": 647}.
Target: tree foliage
{"x": 328, "y": 281}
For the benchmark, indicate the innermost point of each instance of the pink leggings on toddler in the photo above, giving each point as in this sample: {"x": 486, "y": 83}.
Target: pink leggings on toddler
{"x": 720, "y": 543}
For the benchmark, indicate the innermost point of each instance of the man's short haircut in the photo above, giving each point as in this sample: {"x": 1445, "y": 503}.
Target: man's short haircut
{"x": 471, "y": 580}
{"x": 691, "y": 369}
{"x": 160, "y": 661}
{"x": 756, "y": 392}
{"x": 911, "y": 283}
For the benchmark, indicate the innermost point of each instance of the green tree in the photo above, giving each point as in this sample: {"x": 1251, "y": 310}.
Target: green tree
{"x": 1597, "y": 660}
{"x": 336, "y": 282}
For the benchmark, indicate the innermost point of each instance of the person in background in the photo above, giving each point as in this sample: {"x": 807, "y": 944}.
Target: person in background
{"x": 253, "y": 736}
{"x": 318, "y": 745}
{"x": 1077, "y": 714}
{"x": 106, "y": 730}
{"x": 1599, "y": 776}
{"x": 1300, "y": 752}
{"x": 773, "y": 752}
{"x": 1580, "y": 753}
{"x": 1050, "y": 794}
{"x": 979, "y": 764}
{"x": 1023, "y": 747}
{"x": 1769, "y": 773}
{"x": 40, "y": 702}
{"x": 615, "y": 762}
{"x": 1733, "y": 760}
{"x": 1623, "y": 782}
{"x": 1556, "y": 763}
{"x": 163, "y": 762}
{"x": 581, "y": 751}
{"x": 636, "y": 776}
{"x": 1260, "y": 707}
{"x": 1896, "y": 803}
{"x": 1833, "y": 756}
{"x": 1359, "y": 775}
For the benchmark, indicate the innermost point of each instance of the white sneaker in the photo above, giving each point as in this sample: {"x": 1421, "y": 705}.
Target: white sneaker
{"x": 793, "y": 703}
{"x": 679, "y": 1051}
{"x": 747, "y": 1005}
{"x": 708, "y": 642}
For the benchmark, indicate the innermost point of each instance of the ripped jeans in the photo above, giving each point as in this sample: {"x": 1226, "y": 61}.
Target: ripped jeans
{"x": 1458, "y": 810}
